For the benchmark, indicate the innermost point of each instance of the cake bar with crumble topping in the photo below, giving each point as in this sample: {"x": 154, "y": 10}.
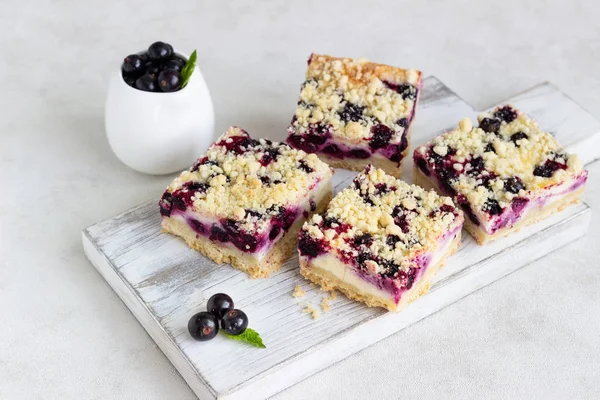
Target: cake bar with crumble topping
{"x": 380, "y": 241}
{"x": 245, "y": 200}
{"x": 505, "y": 174}
{"x": 355, "y": 112}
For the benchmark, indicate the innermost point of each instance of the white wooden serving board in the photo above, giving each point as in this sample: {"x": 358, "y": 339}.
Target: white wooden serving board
{"x": 164, "y": 283}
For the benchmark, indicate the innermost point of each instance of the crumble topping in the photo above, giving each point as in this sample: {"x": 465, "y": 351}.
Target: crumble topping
{"x": 502, "y": 159}
{"x": 247, "y": 180}
{"x": 346, "y": 98}
{"x": 382, "y": 223}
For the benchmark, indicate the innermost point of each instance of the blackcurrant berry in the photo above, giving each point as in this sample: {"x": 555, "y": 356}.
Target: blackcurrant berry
{"x": 169, "y": 80}
{"x": 203, "y": 326}
{"x": 160, "y": 51}
{"x": 146, "y": 83}
{"x": 174, "y": 63}
{"x": 152, "y": 69}
{"x": 133, "y": 65}
{"x": 129, "y": 80}
{"x": 234, "y": 322}
{"x": 219, "y": 304}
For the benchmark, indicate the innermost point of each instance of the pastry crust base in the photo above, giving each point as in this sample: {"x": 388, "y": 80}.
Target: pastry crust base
{"x": 482, "y": 237}
{"x": 328, "y": 282}
{"x": 246, "y": 262}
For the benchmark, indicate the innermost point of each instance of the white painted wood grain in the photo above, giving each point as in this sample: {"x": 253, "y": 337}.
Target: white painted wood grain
{"x": 164, "y": 283}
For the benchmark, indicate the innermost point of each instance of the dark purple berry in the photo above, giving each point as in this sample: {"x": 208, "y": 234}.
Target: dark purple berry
{"x": 403, "y": 122}
{"x": 518, "y": 136}
{"x": 351, "y": 112}
{"x": 160, "y": 51}
{"x": 165, "y": 204}
{"x": 152, "y": 69}
{"x": 518, "y": 204}
{"x": 144, "y": 56}
{"x": 317, "y": 139}
{"x": 146, "y": 83}
{"x": 547, "y": 170}
{"x": 169, "y": 80}
{"x": 365, "y": 239}
{"x": 307, "y": 246}
{"x": 203, "y": 326}
{"x": 298, "y": 142}
{"x": 133, "y": 65}
{"x": 359, "y": 153}
{"x": 302, "y": 165}
{"x": 129, "y": 80}
{"x": 274, "y": 233}
{"x": 174, "y": 63}
{"x": 218, "y": 235}
{"x": 332, "y": 150}
{"x": 197, "y": 226}
{"x": 492, "y": 207}
{"x": 464, "y": 204}
{"x": 219, "y": 304}
{"x": 381, "y": 136}
{"x": 506, "y": 114}
{"x": 234, "y": 322}
{"x": 405, "y": 90}
{"x": 477, "y": 165}
{"x": 391, "y": 240}
{"x": 490, "y": 125}
{"x": 514, "y": 185}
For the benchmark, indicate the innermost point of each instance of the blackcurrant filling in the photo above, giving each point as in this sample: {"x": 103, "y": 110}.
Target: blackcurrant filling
{"x": 466, "y": 207}
{"x": 518, "y": 136}
{"x": 269, "y": 156}
{"x": 506, "y": 114}
{"x": 381, "y": 136}
{"x": 352, "y": 112}
{"x": 165, "y": 204}
{"x": 181, "y": 198}
{"x": 317, "y": 139}
{"x": 238, "y": 144}
{"x": 548, "y": 168}
{"x": 405, "y": 90}
{"x": 309, "y": 246}
{"x": 491, "y": 125}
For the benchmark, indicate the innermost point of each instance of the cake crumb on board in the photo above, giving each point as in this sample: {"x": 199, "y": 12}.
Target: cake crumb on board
{"x": 298, "y": 292}
{"x": 325, "y": 304}
{"x": 309, "y": 309}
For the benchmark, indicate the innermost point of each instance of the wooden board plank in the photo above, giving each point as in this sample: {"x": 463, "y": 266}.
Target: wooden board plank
{"x": 164, "y": 283}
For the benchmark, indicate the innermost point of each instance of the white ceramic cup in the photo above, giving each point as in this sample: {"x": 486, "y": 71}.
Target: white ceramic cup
{"x": 159, "y": 133}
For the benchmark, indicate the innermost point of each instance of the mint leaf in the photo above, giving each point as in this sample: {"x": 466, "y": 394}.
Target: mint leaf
{"x": 249, "y": 336}
{"x": 188, "y": 68}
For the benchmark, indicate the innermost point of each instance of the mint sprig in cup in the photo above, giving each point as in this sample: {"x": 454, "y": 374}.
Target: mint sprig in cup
{"x": 188, "y": 69}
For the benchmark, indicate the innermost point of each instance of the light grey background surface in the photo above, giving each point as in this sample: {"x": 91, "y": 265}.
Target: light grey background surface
{"x": 65, "y": 335}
